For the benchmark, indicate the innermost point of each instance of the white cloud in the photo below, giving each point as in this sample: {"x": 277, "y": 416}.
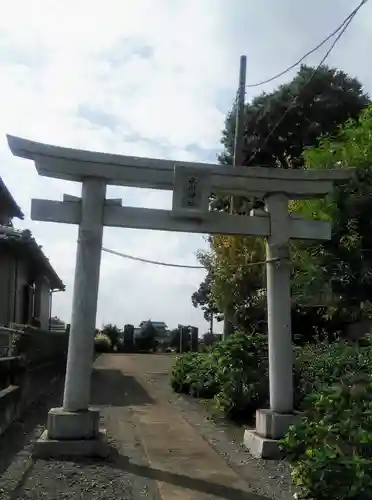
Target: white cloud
{"x": 145, "y": 78}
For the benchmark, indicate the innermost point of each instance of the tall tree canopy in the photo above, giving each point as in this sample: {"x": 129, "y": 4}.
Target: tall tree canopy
{"x": 312, "y": 105}
{"x": 280, "y": 125}
{"x": 341, "y": 268}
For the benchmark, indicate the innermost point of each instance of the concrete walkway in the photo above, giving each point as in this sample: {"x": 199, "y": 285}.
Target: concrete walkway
{"x": 159, "y": 454}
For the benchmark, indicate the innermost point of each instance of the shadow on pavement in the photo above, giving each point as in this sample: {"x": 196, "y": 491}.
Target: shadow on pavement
{"x": 110, "y": 387}
{"x": 123, "y": 463}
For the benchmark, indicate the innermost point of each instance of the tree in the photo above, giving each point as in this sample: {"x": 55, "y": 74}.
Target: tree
{"x": 237, "y": 282}
{"x": 313, "y": 106}
{"x": 305, "y": 109}
{"x": 342, "y": 267}
{"x": 203, "y": 297}
{"x": 112, "y": 332}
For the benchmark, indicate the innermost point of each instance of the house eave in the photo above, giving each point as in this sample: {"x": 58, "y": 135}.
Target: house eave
{"x": 27, "y": 247}
{"x": 12, "y": 206}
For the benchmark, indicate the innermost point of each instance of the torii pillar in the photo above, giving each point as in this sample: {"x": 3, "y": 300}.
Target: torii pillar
{"x": 76, "y": 425}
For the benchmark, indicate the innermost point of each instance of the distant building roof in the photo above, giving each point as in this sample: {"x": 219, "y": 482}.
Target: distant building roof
{"x": 159, "y": 324}
{"x": 25, "y": 245}
{"x": 8, "y": 202}
{"x": 156, "y": 324}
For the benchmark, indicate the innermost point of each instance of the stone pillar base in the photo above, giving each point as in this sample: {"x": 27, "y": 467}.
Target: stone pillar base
{"x": 271, "y": 427}
{"x": 65, "y": 424}
{"x": 71, "y": 433}
{"x": 274, "y": 425}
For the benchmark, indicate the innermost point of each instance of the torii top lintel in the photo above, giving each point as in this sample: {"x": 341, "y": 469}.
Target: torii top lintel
{"x": 75, "y": 165}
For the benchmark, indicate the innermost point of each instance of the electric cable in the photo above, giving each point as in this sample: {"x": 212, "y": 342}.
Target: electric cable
{"x": 182, "y": 266}
{"x": 345, "y": 26}
{"x": 147, "y": 261}
{"x": 309, "y": 53}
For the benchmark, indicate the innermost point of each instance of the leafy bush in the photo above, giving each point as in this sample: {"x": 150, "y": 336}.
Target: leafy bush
{"x": 205, "y": 383}
{"x": 112, "y": 332}
{"x": 322, "y": 365}
{"x": 102, "y": 343}
{"x": 331, "y": 447}
{"x": 193, "y": 374}
{"x": 242, "y": 373}
{"x": 234, "y": 372}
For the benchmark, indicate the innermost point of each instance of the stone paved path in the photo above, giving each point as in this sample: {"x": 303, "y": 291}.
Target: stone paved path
{"x": 165, "y": 447}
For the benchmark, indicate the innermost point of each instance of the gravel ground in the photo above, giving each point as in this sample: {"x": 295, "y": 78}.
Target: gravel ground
{"x": 127, "y": 475}
{"x": 30, "y": 480}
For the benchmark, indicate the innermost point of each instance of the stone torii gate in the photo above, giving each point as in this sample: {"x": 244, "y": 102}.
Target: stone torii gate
{"x": 74, "y": 428}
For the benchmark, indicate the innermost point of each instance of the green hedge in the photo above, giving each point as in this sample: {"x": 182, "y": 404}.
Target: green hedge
{"x": 330, "y": 449}
{"x": 318, "y": 366}
{"x": 233, "y": 372}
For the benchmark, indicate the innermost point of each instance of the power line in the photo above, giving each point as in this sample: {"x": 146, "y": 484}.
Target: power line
{"x": 345, "y": 25}
{"x": 182, "y": 266}
{"x": 309, "y": 53}
{"x": 147, "y": 261}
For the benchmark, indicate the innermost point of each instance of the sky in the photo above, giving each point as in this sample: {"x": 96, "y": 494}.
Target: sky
{"x": 151, "y": 78}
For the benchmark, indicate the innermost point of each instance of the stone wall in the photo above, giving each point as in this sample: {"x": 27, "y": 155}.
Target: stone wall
{"x": 36, "y": 360}
{"x": 25, "y": 387}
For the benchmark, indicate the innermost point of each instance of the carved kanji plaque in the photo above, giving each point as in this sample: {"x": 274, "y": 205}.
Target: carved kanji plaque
{"x": 191, "y": 192}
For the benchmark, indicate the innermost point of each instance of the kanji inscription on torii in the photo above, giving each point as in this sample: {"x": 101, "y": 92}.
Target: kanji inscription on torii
{"x": 190, "y": 192}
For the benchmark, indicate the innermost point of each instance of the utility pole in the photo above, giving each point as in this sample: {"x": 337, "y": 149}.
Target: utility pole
{"x": 239, "y": 122}
{"x": 237, "y": 159}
